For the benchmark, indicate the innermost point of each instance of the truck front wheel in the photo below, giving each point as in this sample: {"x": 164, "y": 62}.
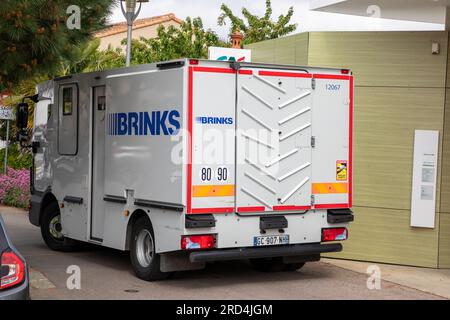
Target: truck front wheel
{"x": 144, "y": 259}
{"x": 51, "y": 230}
{"x": 274, "y": 265}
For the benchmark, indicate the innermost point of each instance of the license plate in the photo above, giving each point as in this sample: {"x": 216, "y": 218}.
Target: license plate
{"x": 270, "y": 240}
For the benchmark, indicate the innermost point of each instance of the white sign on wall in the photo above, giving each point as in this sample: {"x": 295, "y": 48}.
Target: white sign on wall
{"x": 229, "y": 54}
{"x": 423, "y": 199}
{"x": 6, "y": 113}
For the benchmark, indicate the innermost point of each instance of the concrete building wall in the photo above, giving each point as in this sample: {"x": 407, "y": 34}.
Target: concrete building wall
{"x": 400, "y": 87}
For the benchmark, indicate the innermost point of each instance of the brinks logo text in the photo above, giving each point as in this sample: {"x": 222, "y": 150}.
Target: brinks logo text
{"x": 144, "y": 123}
{"x": 214, "y": 120}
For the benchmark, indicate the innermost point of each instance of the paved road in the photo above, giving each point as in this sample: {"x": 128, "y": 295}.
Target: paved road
{"x": 106, "y": 274}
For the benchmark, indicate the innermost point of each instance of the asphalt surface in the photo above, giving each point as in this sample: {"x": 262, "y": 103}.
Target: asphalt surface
{"x": 107, "y": 274}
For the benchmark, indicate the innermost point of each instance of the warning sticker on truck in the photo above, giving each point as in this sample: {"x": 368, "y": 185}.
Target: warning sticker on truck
{"x": 341, "y": 170}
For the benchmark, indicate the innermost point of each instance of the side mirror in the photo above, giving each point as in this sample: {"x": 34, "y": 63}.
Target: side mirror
{"x": 22, "y": 121}
{"x": 22, "y": 116}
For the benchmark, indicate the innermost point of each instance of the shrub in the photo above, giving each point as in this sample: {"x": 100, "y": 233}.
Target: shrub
{"x": 17, "y": 158}
{"x": 15, "y": 188}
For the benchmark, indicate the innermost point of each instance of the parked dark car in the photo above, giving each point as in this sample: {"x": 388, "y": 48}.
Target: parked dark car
{"x": 14, "y": 280}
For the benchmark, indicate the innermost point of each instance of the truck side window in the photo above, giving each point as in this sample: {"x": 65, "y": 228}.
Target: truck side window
{"x": 67, "y": 101}
{"x": 68, "y": 119}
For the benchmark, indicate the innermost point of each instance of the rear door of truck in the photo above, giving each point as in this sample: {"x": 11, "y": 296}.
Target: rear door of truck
{"x": 211, "y": 147}
{"x": 273, "y": 151}
{"x": 332, "y": 131}
{"x": 268, "y": 140}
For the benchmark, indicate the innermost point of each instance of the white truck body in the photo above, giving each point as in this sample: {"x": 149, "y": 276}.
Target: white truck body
{"x": 231, "y": 143}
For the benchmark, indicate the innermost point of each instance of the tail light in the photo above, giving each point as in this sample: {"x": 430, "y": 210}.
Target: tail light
{"x": 334, "y": 234}
{"x": 12, "y": 271}
{"x": 345, "y": 71}
{"x": 198, "y": 242}
{"x": 194, "y": 62}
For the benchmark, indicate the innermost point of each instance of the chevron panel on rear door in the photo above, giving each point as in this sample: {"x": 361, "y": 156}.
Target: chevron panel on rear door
{"x": 273, "y": 169}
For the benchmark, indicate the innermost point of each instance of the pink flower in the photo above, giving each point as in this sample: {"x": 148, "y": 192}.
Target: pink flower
{"x": 15, "y": 188}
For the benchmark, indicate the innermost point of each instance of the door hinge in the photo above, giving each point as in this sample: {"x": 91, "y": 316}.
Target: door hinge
{"x": 313, "y": 84}
{"x": 235, "y": 65}
{"x": 313, "y": 200}
{"x": 313, "y": 141}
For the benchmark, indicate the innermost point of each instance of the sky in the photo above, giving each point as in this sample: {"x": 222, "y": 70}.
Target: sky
{"x": 209, "y": 10}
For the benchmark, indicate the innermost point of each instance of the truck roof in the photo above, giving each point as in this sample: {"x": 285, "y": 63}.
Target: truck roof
{"x": 182, "y": 62}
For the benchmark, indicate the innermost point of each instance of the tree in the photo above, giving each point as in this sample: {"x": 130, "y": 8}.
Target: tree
{"x": 257, "y": 28}
{"x": 85, "y": 58}
{"x": 190, "y": 40}
{"x": 36, "y": 35}
{"x": 88, "y": 58}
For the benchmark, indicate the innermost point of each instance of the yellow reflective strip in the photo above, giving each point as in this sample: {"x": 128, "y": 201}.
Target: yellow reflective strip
{"x": 329, "y": 188}
{"x": 226, "y": 190}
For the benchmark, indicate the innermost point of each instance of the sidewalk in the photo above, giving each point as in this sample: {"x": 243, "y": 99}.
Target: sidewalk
{"x": 434, "y": 281}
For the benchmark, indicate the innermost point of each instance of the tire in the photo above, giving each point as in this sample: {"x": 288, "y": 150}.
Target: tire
{"x": 145, "y": 261}
{"x": 51, "y": 230}
{"x": 274, "y": 265}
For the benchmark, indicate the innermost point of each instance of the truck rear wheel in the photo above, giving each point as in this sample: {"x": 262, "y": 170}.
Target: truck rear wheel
{"x": 51, "y": 230}
{"x": 144, "y": 259}
{"x": 274, "y": 265}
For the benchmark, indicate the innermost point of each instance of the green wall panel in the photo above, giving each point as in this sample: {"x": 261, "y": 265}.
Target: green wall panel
{"x": 288, "y": 50}
{"x": 445, "y": 186}
{"x": 383, "y": 58}
{"x": 263, "y": 52}
{"x": 384, "y": 235}
{"x": 444, "y": 241}
{"x": 385, "y": 120}
{"x": 400, "y": 87}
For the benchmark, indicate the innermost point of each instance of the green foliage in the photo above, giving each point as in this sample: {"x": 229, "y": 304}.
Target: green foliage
{"x": 88, "y": 58}
{"x": 85, "y": 58}
{"x": 26, "y": 87}
{"x": 257, "y": 28}
{"x": 34, "y": 36}
{"x": 14, "y": 197}
{"x": 105, "y": 60}
{"x": 17, "y": 158}
{"x": 191, "y": 40}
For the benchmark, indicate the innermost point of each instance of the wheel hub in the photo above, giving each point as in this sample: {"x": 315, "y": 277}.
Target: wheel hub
{"x": 55, "y": 228}
{"x": 144, "y": 248}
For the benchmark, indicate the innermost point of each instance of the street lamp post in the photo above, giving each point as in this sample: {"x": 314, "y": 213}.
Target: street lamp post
{"x": 130, "y": 14}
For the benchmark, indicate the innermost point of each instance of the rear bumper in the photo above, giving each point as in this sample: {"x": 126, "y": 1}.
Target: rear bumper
{"x": 264, "y": 252}
{"x": 21, "y": 292}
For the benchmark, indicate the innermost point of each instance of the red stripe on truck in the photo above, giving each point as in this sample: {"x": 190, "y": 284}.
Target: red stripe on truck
{"x": 214, "y": 70}
{"x": 190, "y": 130}
{"x": 350, "y": 147}
{"x": 189, "y": 138}
{"x": 332, "y": 206}
{"x": 212, "y": 210}
{"x": 331, "y": 76}
{"x": 285, "y": 74}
